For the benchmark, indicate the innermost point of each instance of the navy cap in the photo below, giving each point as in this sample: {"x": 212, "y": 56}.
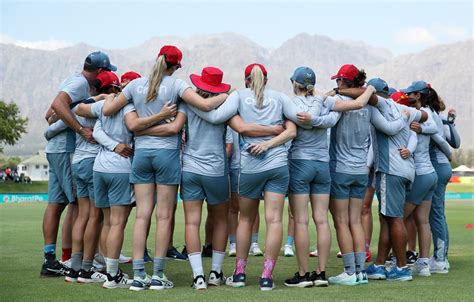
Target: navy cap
{"x": 97, "y": 60}
{"x": 304, "y": 76}
{"x": 379, "y": 85}
{"x": 417, "y": 86}
{"x": 391, "y": 90}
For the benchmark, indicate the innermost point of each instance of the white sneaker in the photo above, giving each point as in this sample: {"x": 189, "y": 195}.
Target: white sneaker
{"x": 339, "y": 254}
{"x": 288, "y": 251}
{"x": 199, "y": 283}
{"x": 117, "y": 281}
{"x": 232, "y": 250}
{"x": 66, "y": 263}
{"x": 216, "y": 278}
{"x": 314, "y": 253}
{"x": 124, "y": 259}
{"x": 438, "y": 267}
{"x": 140, "y": 284}
{"x": 344, "y": 279}
{"x": 255, "y": 250}
{"x": 160, "y": 283}
{"x": 421, "y": 268}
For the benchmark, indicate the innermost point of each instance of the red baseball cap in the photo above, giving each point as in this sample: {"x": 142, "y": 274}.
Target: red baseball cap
{"x": 401, "y": 98}
{"x": 347, "y": 71}
{"x": 172, "y": 54}
{"x": 249, "y": 68}
{"x": 210, "y": 80}
{"x": 108, "y": 78}
{"x": 129, "y": 76}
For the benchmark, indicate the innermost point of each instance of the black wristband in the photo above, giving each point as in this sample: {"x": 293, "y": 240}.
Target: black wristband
{"x": 336, "y": 90}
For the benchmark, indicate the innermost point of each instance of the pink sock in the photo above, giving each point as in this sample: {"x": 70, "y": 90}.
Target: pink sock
{"x": 240, "y": 265}
{"x": 268, "y": 266}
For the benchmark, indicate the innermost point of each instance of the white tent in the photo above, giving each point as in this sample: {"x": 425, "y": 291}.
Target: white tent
{"x": 463, "y": 168}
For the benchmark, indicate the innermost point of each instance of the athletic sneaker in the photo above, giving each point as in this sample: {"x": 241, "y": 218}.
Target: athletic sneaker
{"x": 140, "y": 284}
{"x": 232, "y": 250}
{"x": 314, "y": 253}
{"x": 146, "y": 256}
{"x": 117, "y": 281}
{"x": 159, "y": 283}
{"x": 53, "y": 268}
{"x": 376, "y": 272}
{"x": 339, "y": 254}
{"x": 362, "y": 278}
{"x": 71, "y": 276}
{"x": 66, "y": 263}
{"x": 173, "y": 253}
{"x": 421, "y": 268}
{"x": 124, "y": 259}
{"x": 319, "y": 280}
{"x": 207, "y": 251}
{"x": 368, "y": 256}
{"x": 288, "y": 251}
{"x": 266, "y": 284}
{"x": 438, "y": 267}
{"x": 236, "y": 280}
{"x": 199, "y": 283}
{"x": 255, "y": 250}
{"x": 396, "y": 274}
{"x": 216, "y": 278}
{"x": 299, "y": 281}
{"x": 184, "y": 252}
{"x": 411, "y": 257}
{"x": 343, "y": 279}
{"x": 91, "y": 277}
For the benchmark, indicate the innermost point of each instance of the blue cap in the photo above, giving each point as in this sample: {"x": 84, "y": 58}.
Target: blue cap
{"x": 304, "y": 76}
{"x": 391, "y": 90}
{"x": 379, "y": 85}
{"x": 97, "y": 60}
{"x": 417, "y": 86}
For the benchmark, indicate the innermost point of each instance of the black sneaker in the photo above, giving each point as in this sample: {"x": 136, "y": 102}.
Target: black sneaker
{"x": 266, "y": 284}
{"x": 236, "y": 280}
{"x": 71, "y": 275}
{"x": 184, "y": 251}
{"x": 207, "y": 250}
{"x": 146, "y": 257}
{"x": 91, "y": 277}
{"x": 411, "y": 257}
{"x": 53, "y": 269}
{"x": 299, "y": 281}
{"x": 216, "y": 278}
{"x": 173, "y": 253}
{"x": 319, "y": 280}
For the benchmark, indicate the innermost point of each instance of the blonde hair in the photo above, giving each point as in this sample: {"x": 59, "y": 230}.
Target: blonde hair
{"x": 308, "y": 90}
{"x": 156, "y": 77}
{"x": 257, "y": 84}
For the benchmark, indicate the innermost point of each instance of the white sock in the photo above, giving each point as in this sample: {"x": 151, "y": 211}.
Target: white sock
{"x": 196, "y": 264}
{"x": 217, "y": 259}
{"x": 112, "y": 266}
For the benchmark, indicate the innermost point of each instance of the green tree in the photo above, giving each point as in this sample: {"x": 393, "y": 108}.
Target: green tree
{"x": 12, "y": 125}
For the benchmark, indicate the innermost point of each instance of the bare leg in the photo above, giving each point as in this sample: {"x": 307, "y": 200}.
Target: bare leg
{"x": 92, "y": 232}
{"x": 164, "y": 217}
{"x": 51, "y": 218}
{"x": 105, "y": 231}
{"x": 248, "y": 211}
{"x": 411, "y": 232}
{"x": 79, "y": 227}
{"x": 274, "y": 203}
{"x": 384, "y": 242}
{"x": 219, "y": 229}
{"x": 398, "y": 235}
{"x": 66, "y": 230}
{"x": 320, "y": 204}
{"x": 366, "y": 218}
{"x": 145, "y": 194}
{"x": 422, "y": 213}
{"x": 340, "y": 213}
{"x": 118, "y": 221}
{"x": 192, "y": 218}
{"x": 299, "y": 208}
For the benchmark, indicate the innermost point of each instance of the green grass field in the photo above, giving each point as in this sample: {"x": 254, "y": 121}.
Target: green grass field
{"x": 21, "y": 257}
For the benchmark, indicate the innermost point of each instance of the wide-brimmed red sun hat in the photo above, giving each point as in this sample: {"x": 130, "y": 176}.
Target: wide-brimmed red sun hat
{"x": 210, "y": 80}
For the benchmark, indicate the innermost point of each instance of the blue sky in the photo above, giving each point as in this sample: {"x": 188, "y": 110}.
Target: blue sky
{"x": 400, "y": 26}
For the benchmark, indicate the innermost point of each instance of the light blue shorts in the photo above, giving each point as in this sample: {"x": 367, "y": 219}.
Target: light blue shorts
{"x": 309, "y": 177}
{"x": 156, "y": 166}
{"x": 253, "y": 185}
{"x": 234, "y": 180}
{"x": 345, "y": 186}
{"x": 82, "y": 173}
{"x": 423, "y": 188}
{"x": 392, "y": 191}
{"x": 61, "y": 187}
{"x": 112, "y": 189}
{"x": 199, "y": 187}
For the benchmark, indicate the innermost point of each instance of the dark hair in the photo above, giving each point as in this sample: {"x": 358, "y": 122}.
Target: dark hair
{"x": 89, "y": 68}
{"x": 205, "y": 94}
{"x": 358, "y": 81}
{"x": 431, "y": 99}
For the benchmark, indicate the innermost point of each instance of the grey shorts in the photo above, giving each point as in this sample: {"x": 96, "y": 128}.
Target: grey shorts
{"x": 158, "y": 166}
{"x": 234, "y": 180}
{"x": 254, "y": 185}
{"x": 345, "y": 186}
{"x": 199, "y": 187}
{"x": 423, "y": 188}
{"x": 61, "y": 187}
{"x": 112, "y": 189}
{"x": 82, "y": 173}
{"x": 392, "y": 192}
{"x": 309, "y": 177}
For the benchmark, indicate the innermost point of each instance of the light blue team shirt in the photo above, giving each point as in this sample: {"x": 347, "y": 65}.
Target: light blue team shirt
{"x": 235, "y": 158}
{"x": 312, "y": 144}
{"x": 170, "y": 90}
{"x": 204, "y": 152}
{"x": 275, "y": 106}
{"x": 110, "y": 131}
{"x": 436, "y": 154}
{"x": 77, "y": 87}
{"x": 423, "y": 164}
